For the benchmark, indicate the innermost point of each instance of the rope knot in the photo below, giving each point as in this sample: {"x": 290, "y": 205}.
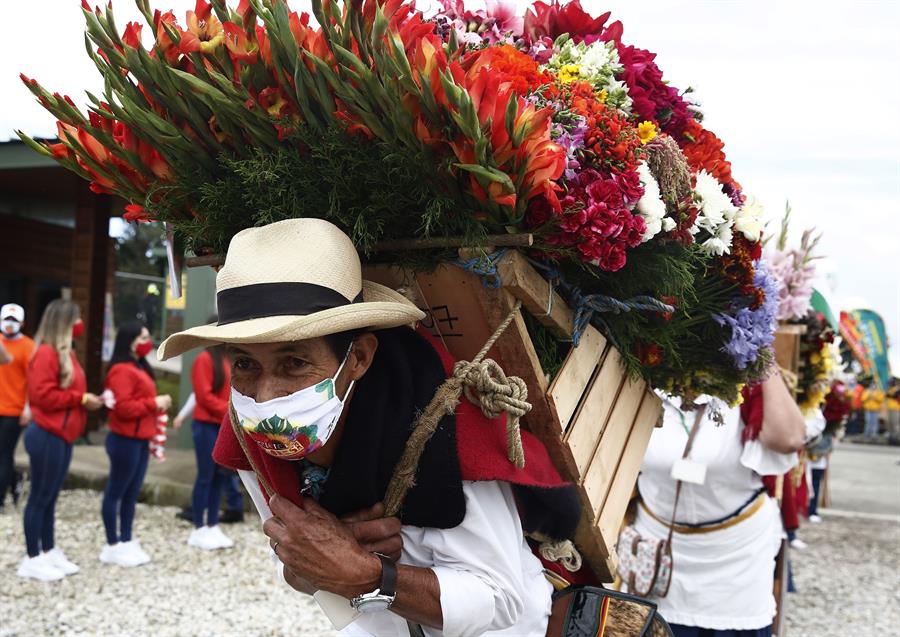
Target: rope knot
{"x": 486, "y": 384}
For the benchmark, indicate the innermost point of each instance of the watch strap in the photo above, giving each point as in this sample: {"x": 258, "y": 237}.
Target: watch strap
{"x": 388, "y": 585}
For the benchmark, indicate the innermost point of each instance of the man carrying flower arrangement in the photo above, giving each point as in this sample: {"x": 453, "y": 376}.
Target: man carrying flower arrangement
{"x": 327, "y": 381}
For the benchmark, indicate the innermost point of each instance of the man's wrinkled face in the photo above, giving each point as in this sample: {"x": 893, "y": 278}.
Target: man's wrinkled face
{"x": 263, "y": 371}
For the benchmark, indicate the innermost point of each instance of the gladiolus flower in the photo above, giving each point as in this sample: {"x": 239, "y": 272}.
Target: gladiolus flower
{"x": 136, "y": 213}
{"x": 240, "y": 47}
{"x": 204, "y": 31}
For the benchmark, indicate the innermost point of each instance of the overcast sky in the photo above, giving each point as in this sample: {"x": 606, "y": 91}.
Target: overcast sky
{"x": 804, "y": 94}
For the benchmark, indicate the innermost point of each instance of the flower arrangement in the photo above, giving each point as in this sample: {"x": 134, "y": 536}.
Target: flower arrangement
{"x": 394, "y": 124}
{"x": 819, "y": 364}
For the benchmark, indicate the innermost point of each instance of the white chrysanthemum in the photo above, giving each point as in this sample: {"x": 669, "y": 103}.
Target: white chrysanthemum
{"x": 651, "y": 206}
{"x": 716, "y": 207}
{"x": 720, "y": 242}
{"x": 749, "y": 219}
{"x": 597, "y": 57}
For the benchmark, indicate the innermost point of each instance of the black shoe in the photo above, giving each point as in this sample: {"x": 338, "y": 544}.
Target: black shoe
{"x": 186, "y": 513}
{"x": 230, "y": 517}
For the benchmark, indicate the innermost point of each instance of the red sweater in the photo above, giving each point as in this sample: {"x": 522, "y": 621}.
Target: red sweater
{"x": 54, "y": 408}
{"x": 135, "y": 412}
{"x": 211, "y": 406}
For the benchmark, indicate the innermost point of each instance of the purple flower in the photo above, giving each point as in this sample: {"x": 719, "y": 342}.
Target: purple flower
{"x": 753, "y": 331}
{"x": 570, "y": 137}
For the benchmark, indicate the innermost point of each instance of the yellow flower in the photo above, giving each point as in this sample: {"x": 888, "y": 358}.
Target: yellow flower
{"x": 568, "y": 73}
{"x": 602, "y": 95}
{"x": 647, "y": 131}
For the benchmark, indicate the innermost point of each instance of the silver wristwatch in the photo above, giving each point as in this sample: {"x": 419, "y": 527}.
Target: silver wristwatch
{"x": 383, "y": 596}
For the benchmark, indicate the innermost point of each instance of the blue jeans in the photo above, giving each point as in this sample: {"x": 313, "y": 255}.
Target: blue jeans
{"x": 872, "y": 423}
{"x": 694, "y": 631}
{"x": 234, "y": 499}
{"x": 49, "y": 458}
{"x": 10, "y": 430}
{"x": 210, "y": 479}
{"x": 127, "y": 467}
{"x": 817, "y": 475}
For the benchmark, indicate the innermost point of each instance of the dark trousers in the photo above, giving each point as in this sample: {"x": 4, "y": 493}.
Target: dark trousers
{"x": 127, "y": 467}
{"x": 234, "y": 499}
{"x": 208, "y": 486}
{"x": 49, "y": 458}
{"x": 10, "y": 430}
{"x": 693, "y": 631}
{"x": 817, "y": 475}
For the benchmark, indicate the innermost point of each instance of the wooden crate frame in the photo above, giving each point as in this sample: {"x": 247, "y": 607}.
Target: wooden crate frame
{"x": 594, "y": 421}
{"x": 787, "y": 346}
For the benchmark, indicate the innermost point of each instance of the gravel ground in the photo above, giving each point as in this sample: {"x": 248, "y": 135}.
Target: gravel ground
{"x": 848, "y": 580}
{"x": 183, "y": 591}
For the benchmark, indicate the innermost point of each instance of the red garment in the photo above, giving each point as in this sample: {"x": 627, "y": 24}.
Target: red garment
{"x": 54, "y": 408}
{"x": 481, "y": 445}
{"x": 752, "y": 412}
{"x": 134, "y": 415}
{"x": 211, "y": 406}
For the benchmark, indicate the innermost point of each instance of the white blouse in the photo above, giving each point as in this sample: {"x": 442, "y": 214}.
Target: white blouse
{"x": 723, "y": 579}
{"x": 491, "y": 583}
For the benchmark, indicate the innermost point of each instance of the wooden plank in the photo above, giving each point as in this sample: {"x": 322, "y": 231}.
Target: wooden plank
{"x": 536, "y": 293}
{"x": 602, "y": 469}
{"x": 590, "y": 420}
{"x": 787, "y": 350}
{"x": 594, "y": 551}
{"x": 576, "y": 373}
{"x": 622, "y": 488}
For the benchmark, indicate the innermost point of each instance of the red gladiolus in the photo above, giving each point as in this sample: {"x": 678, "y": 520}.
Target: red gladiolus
{"x": 239, "y": 45}
{"x": 163, "y": 41}
{"x": 204, "y": 31}
{"x": 136, "y": 213}
{"x": 132, "y": 35}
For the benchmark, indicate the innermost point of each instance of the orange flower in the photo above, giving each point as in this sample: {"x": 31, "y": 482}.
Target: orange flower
{"x": 239, "y": 45}
{"x": 705, "y": 151}
{"x": 204, "y": 31}
{"x": 163, "y": 41}
{"x": 517, "y": 67}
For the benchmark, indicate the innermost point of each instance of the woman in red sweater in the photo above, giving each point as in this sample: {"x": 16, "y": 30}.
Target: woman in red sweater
{"x": 132, "y": 423}
{"x": 57, "y": 393}
{"x": 211, "y": 379}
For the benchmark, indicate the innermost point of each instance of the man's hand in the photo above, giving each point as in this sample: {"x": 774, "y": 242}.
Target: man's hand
{"x": 320, "y": 549}
{"x": 376, "y": 533}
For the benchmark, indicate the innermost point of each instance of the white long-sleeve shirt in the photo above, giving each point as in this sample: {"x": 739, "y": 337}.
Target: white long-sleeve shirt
{"x": 491, "y": 584}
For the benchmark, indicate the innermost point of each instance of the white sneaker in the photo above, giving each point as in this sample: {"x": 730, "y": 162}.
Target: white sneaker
{"x": 134, "y": 550}
{"x": 119, "y": 555}
{"x": 221, "y": 540}
{"x": 799, "y": 544}
{"x": 815, "y": 519}
{"x": 200, "y": 538}
{"x": 39, "y": 568}
{"x": 57, "y": 558}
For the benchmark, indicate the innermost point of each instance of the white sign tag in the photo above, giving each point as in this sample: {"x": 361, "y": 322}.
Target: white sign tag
{"x": 337, "y": 609}
{"x": 688, "y": 470}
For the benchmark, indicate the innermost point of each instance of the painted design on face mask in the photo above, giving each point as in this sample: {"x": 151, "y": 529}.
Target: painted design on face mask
{"x": 292, "y": 427}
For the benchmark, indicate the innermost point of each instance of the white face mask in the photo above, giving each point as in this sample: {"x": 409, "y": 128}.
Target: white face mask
{"x": 292, "y": 427}
{"x": 10, "y": 327}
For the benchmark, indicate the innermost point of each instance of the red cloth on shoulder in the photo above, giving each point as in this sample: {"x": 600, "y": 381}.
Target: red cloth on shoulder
{"x": 752, "y": 412}
{"x": 481, "y": 445}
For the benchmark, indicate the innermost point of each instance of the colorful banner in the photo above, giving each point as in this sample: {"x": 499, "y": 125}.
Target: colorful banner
{"x": 864, "y": 333}
{"x": 820, "y": 304}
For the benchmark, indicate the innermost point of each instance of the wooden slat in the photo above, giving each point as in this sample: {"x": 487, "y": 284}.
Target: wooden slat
{"x": 603, "y": 465}
{"x": 587, "y": 427}
{"x": 613, "y": 509}
{"x": 576, "y": 373}
{"x": 524, "y": 282}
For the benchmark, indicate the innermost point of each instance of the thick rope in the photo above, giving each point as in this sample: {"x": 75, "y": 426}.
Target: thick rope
{"x": 486, "y": 385}
{"x": 562, "y": 552}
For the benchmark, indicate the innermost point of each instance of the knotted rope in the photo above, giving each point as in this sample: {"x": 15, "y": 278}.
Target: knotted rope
{"x": 485, "y": 384}
{"x": 563, "y": 552}
{"x": 589, "y": 306}
{"x": 485, "y": 266}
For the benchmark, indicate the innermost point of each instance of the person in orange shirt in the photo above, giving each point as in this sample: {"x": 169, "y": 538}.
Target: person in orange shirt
{"x": 15, "y": 352}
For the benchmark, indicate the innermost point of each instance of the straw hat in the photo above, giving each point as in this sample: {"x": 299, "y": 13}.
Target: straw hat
{"x": 293, "y": 280}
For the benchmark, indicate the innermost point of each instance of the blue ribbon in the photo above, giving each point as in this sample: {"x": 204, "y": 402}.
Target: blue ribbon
{"x": 485, "y": 266}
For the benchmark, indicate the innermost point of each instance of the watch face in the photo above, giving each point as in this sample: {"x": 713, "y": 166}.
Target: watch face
{"x": 374, "y": 605}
